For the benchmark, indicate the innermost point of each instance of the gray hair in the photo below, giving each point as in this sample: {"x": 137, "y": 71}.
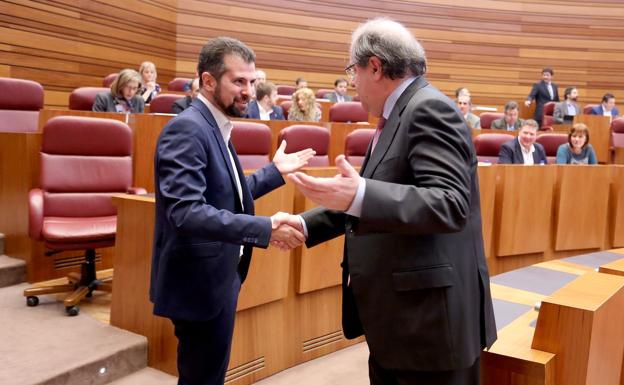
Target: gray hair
{"x": 212, "y": 56}
{"x": 530, "y": 123}
{"x": 395, "y": 46}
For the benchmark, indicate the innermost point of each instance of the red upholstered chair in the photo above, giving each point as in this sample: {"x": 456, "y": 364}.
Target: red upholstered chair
{"x": 356, "y": 144}
{"x": 300, "y": 136}
{"x": 286, "y": 104}
{"x": 547, "y": 114}
{"x": 487, "y": 118}
{"x": 346, "y": 112}
{"x": 162, "y": 103}
{"x": 487, "y": 146}
{"x": 617, "y": 132}
{"x": 356, "y": 98}
{"x": 551, "y": 143}
{"x": 320, "y": 93}
{"x": 83, "y": 162}
{"x": 177, "y": 84}
{"x": 252, "y": 142}
{"x": 588, "y": 108}
{"x": 82, "y": 98}
{"x": 285, "y": 90}
{"x": 109, "y": 79}
{"x": 20, "y": 102}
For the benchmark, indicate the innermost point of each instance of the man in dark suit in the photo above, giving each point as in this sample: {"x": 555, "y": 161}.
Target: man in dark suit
{"x": 192, "y": 89}
{"x": 340, "y": 92}
{"x": 265, "y": 107}
{"x": 607, "y": 107}
{"x": 205, "y": 225}
{"x": 543, "y": 92}
{"x": 523, "y": 149}
{"x": 415, "y": 280}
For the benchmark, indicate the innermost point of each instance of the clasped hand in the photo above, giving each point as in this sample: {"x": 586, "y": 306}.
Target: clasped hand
{"x": 286, "y": 231}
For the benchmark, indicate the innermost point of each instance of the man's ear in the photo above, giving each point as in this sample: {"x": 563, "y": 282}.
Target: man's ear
{"x": 209, "y": 82}
{"x": 375, "y": 64}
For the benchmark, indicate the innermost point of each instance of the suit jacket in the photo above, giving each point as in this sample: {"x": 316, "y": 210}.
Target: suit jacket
{"x": 200, "y": 224}
{"x": 419, "y": 286}
{"x": 333, "y": 97}
{"x": 473, "y": 120}
{"x": 106, "y": 102}
{"x": 600, "y": 111}
{"x": 561, "y": 110}
{"x": 253, "y": 112}
{"x": 511, "y": 153}
{"x": 181, "y": 104}
{"x": 540, "y": 94}
{"x": 501, "y": 124}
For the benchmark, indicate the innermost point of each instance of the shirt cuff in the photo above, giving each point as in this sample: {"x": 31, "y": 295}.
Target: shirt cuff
{"x": 303, "y": 224}
{"x": 355, "y": 209}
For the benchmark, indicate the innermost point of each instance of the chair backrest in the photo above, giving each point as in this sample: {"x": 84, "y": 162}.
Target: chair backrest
{"x": 109, "y": 79}
{"x": 83, "y": 162}
{"x": 286, "y": 104}
{"x": 547, "y": 114}
{"x": 82, "y": 98}
{"x": 177, "y": 84}
{"x": 487, "y": 146}
{"x": 321, "y": 92}
{"x": 252, "y": 142}
{"x": 551, "y": 143}
{"x": 20, "y": 102}
{"x": 486, "y": 118}
{"x": 348, "y": 112}
{"x": 283, "y": 89}
{"x": 301, "y": 136}
{"x": 588, "y": 108}
{"x": 617, "y": 132}
{"x": 162, "y": 103}
{"x": 356, "y": 144}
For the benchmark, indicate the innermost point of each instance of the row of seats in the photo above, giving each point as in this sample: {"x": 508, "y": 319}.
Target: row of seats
{"x": 486, "y": 118}
{"x": 487, "y": 146}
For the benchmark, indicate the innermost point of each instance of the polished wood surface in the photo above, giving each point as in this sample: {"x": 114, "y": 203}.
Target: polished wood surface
{"x": 600, "y": 135}
{"x": 616, "y": 207}
{"x": 487, "y": 193}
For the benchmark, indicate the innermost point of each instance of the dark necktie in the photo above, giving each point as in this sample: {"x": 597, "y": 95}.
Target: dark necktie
{"x": 380, "y": 126}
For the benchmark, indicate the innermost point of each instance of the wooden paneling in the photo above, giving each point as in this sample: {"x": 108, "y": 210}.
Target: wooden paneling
{"x": 617, "y": 207}
{"x": 487, "y": 191}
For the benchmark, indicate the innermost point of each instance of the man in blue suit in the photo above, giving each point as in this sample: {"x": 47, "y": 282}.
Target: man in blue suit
{"x": 523, "y": 150}
{"x": 264, "y": 107}
{"x": 607, "y": 107}
{"x": 205, "y": 225}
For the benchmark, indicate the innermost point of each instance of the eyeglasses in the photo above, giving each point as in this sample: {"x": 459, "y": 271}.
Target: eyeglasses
{"x": 350, "y": 71}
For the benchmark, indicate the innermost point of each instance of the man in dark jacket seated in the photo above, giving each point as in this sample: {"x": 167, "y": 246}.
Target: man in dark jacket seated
{"x": 192, "y": 88}
{"x": 523, "y": 150}
{"x": 264, "y": 107}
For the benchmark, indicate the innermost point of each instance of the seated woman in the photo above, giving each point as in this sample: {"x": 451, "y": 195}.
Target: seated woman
{"x": 122, "y": 96}
{"x": 148, "y": 75}
{"x": 577, "y": 150}
{"x": 304, "y": 107}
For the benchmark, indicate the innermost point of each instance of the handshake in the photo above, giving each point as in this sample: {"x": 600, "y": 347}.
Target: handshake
{"x": 286, "y": 231}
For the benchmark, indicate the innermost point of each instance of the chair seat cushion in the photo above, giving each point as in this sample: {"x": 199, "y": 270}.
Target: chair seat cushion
{"x": 79, "y": 229}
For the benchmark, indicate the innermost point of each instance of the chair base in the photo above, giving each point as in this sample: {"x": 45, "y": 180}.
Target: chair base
{"x": 80, "y": 285}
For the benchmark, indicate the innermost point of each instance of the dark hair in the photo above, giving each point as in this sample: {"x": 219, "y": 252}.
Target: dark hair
{"x": 340, "y": 80}
{"x": 549, "y": 70}
{"x": 264, "y": 89}
{"x": 607, "y": 96}
{"x": 511, "y": 105}
{"x": 568, "y": 91}
{"x": 579, "y": 128}
{"x": 212, "y": 54}
{"x": 299, "y": 80}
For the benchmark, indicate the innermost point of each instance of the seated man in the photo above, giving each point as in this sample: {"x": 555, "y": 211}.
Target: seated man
{"x": 264, "y": 107}
{"x": 340, "y": 92}
{"x": 191, "y": 89}
{"x": 464, "y": 104}
{"x": 301, "y": 83}
{"x": 510, "y": 121}
{"x": 523, "y": 150}
{"x": 568, "y": 107}
{"x": 260, "y": 77}
{"x": 607, "y": 107}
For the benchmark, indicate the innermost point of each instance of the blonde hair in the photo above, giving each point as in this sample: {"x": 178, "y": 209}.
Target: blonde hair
{"x": 146, "y": 65}
{"x": 307, "y": 115}
{"x": 125, "y": 76}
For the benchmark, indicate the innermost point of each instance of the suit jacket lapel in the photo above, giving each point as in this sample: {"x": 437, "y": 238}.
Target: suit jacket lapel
{"x": 371, "y": 161}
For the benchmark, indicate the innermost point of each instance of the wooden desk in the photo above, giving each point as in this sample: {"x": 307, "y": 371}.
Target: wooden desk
{"x": 599, "y": 133}
{"x": 616, "y": 207}
{"x": 488, "y": 176}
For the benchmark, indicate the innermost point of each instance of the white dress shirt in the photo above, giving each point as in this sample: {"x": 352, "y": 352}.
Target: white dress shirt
{"x": 264, "y": 114}
{"x": 527, "y": 155}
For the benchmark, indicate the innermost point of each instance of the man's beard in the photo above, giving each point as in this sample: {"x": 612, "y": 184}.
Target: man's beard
{"x": 230, "y": 110}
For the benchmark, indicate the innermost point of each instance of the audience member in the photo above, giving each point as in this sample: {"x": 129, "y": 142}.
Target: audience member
{"x": 264, "y": 107}
{"x": 464, "y": 104}
{"x": 191, "y": 89}
{"x": 301, "y": 83}
{"x": 523, "y": 149}
{"x": 510, "y": 121}
{"x": 568, "y": 107}
{"x": 340, "y": 92}
{"x": 148, "y": 75}
{"x": 542, "y": 92}
{"x": 260, "y": 77}
{"x": 607, "y": 107}
{"x": 122, "y": 96}
{"x": 462, "y": 91}
{"x": 304, "y": 106}
{"x": 577, "y": 150}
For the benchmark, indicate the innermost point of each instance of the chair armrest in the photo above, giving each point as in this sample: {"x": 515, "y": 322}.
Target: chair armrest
{"x": 546, "y": 128}
{"x": 136, "y": 191}
{"x": 35, "y": 213}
